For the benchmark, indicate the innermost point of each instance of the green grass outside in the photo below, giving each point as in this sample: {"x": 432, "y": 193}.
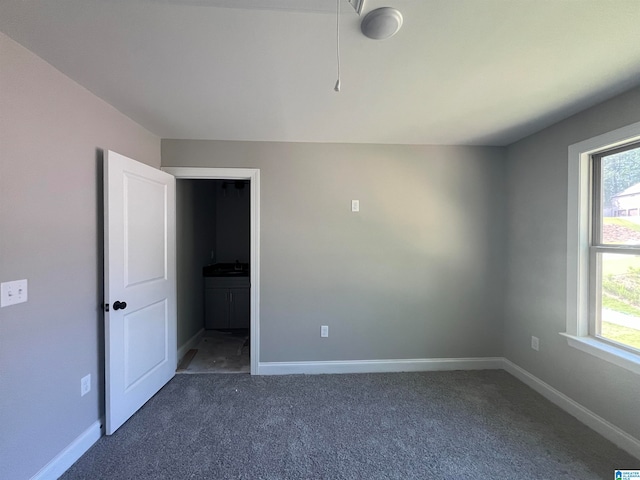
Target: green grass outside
{"x": 620, "y": 221}
{"x": 620, "y": 334}
{"x": 612, "y": 303}
{"x": 616, "y": 264}
{"x": 620, "y": 265}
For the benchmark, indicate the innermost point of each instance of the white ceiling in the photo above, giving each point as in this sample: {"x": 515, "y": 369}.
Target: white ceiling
{"x": 482, "y": 72}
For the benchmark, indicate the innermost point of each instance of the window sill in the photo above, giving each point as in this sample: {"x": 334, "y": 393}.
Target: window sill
{"x": 610, "y": 353}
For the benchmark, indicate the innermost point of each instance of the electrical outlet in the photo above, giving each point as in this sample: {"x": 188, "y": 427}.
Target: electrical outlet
{"x": 355, "y": 205}
{"x": 85, "y": 385}
{"x": 324, "y": 331}
{"x": 535, "y": 343}
{"x": 13, "y": 292}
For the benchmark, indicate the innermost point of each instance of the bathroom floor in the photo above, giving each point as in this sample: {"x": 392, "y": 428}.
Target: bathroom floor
{"x": 219, "y": 352}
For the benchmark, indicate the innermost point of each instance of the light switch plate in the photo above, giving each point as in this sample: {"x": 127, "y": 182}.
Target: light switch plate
{"x": 85, "y": 385}
{"x": 535, "y": 343}
{"x": 324, "y": 330}
{"x": 13, "y": 292}
{"x": 355, "y": 205}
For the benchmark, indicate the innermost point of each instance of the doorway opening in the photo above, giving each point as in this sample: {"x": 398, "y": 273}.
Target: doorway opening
{"x": 217, "y": 216}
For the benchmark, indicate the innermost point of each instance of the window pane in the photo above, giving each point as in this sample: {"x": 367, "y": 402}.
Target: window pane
{"x": 620, "y": 310}
{"x": 621, "y": 197}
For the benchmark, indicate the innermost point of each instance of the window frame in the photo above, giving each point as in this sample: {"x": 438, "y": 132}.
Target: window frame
{"x": 581, "y": 261}
{"x": 597, "y": 247}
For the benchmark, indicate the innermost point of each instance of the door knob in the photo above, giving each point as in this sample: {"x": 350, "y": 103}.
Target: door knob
{"x": 119, "y": 305}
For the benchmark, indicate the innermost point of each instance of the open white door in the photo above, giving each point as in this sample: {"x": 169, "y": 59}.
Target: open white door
{"x": 140, "y": 285}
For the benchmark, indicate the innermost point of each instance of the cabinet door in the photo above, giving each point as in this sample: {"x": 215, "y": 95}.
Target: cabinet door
{"x": 240, "y": 308}
{"x": 216, "y": 308}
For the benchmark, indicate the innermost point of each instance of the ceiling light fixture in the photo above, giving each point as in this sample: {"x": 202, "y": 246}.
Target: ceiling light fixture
{"x": 381, "y": 23}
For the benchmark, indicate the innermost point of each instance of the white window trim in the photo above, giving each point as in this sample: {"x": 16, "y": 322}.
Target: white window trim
{"x": 578, "y": 224}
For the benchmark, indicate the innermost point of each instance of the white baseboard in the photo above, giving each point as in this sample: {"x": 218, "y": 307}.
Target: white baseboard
{"x": 189, "y": 344}
{"x": 375, "y": 366}
{"x": 67, "y": 457}
{"x": 609, "y": 431}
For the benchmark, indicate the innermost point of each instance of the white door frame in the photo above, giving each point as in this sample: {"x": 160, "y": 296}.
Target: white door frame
{"x": 253, "y": 175}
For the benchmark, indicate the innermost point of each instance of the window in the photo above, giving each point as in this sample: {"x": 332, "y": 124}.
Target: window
{"x": 603, "y": 248}
{"x": 614, "y": 252}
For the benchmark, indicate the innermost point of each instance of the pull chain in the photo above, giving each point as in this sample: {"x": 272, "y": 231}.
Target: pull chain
{"x": 337, "y": 87}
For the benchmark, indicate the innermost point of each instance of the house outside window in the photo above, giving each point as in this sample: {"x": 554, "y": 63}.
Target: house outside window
{"x": 603, "y": 247}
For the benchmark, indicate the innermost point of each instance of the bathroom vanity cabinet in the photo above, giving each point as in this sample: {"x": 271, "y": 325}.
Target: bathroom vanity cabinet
{"x": 227, "y": 302}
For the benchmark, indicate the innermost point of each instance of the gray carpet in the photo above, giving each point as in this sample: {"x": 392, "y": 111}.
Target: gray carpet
{"x": 434, "y": 425}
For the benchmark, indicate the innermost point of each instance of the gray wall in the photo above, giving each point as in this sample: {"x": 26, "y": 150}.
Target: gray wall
{"x": 536, "y": 266}
{"x": 418, "y": 273}
{"x": 195, "y": 223}
{"x": 233, "y": 226}
{"x": 52, "y": 133}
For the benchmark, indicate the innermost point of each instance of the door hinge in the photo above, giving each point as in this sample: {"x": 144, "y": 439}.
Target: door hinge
{"x": 106, "y": 307}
